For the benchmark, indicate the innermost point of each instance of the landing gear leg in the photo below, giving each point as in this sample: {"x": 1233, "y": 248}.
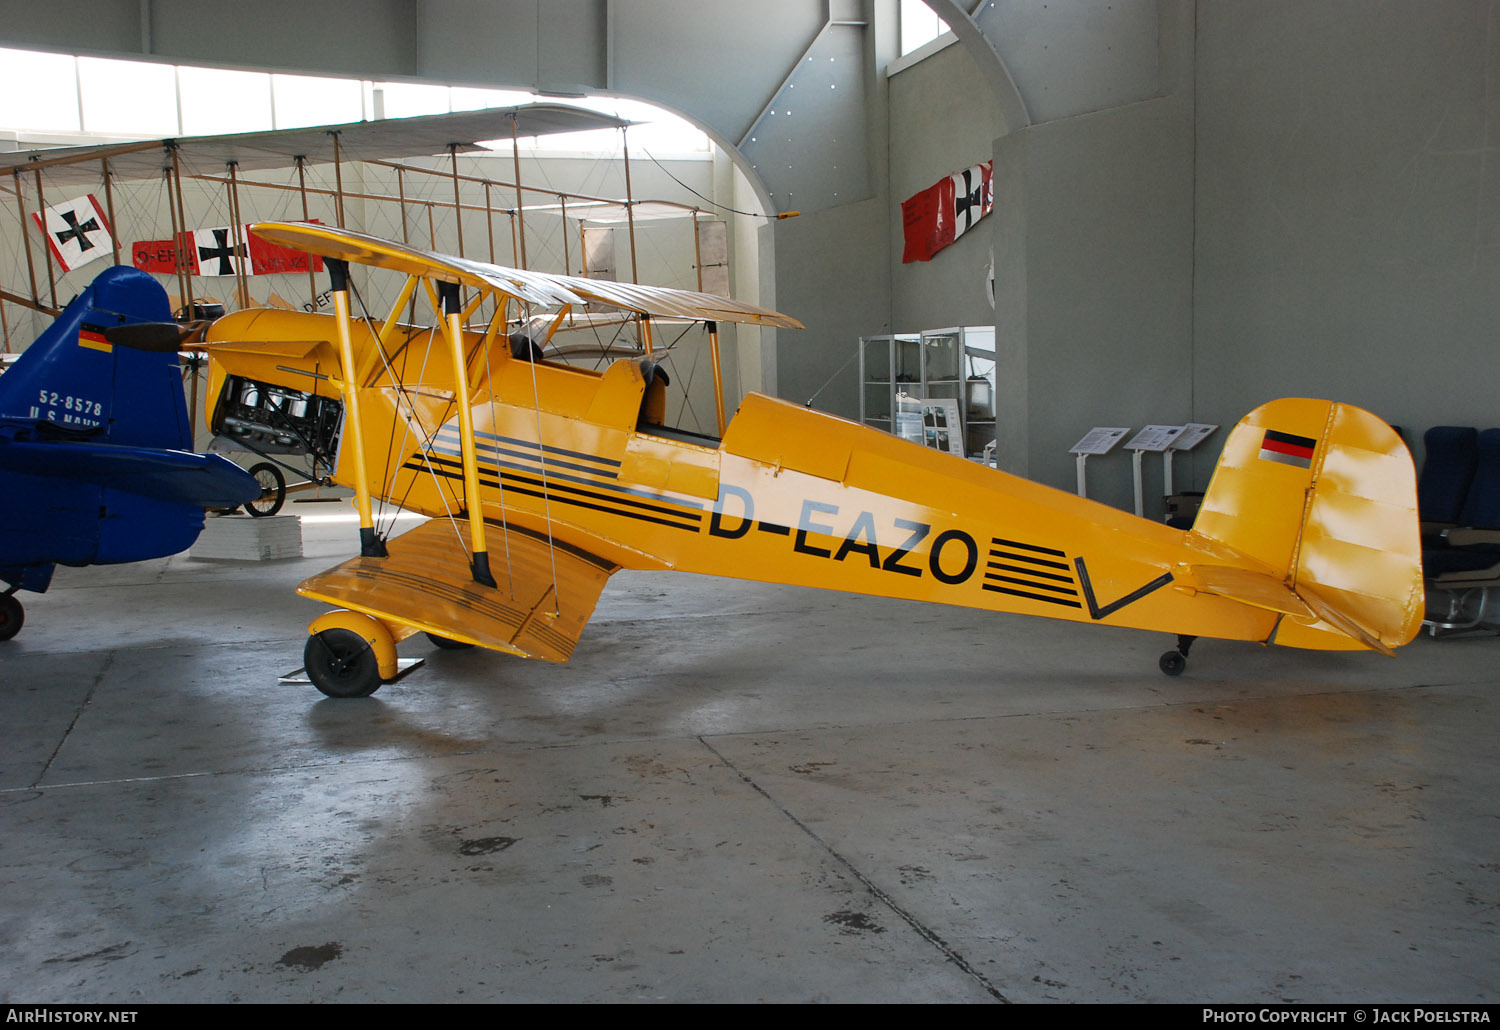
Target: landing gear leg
{"x": 1173, "y": 662}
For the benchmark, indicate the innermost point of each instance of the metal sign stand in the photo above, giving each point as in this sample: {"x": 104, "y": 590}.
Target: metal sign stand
{"x": 1099, "y": 440}
{"x": 1191, "y": 436}
{"x": 1153, "y": 439}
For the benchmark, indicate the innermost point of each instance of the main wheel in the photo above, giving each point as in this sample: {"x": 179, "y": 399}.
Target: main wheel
{"x": 446, "y": 644}
{"x": 1172, "y": 663}
{"x": 12, "y": 616}
{"x": 272, "y": 490}
{"x": 341, "y": 663}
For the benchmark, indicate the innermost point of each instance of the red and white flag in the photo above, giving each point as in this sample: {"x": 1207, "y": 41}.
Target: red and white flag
{"x": 973, "y": 196}
{"x": 77, "y": 231}
{"x": 217, "y": 252}
{"x": 943, "y": 212}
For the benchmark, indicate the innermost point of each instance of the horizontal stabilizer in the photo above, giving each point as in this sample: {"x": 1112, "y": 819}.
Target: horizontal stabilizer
{"x": 425, "y": 584}
{"x": 1261, "y": 590}
{"x": 1247, "y": 586}
{"x": 181, "y": 477}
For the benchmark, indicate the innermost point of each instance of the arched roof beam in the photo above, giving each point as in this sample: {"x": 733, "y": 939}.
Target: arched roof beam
{"x": 992, "y": 66}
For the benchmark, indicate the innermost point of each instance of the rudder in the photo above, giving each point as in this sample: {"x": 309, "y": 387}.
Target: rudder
{"x": 1323, "y": 495}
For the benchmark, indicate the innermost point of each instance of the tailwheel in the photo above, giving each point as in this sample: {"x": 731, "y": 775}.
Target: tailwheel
{"x": 446, "y": 644}
{"x": 1173, "y": 662}
{"x": 12, "y": 616}
{"x": 341, "y": 663}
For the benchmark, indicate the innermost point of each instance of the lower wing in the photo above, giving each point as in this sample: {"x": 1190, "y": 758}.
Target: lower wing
{"x": 546, "y": 590}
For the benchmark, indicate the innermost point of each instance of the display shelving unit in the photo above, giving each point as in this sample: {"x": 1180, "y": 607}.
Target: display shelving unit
{"x": 956, "y": 364}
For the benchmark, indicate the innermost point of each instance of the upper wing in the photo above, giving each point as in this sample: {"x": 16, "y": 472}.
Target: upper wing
{"x": 532, "y": 287}
{"x": 545, "y": 594}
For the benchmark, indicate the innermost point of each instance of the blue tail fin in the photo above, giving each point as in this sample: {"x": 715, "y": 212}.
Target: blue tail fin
{"x": 74, "y": 378}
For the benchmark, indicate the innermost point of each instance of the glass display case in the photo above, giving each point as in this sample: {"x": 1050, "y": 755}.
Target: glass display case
{"x": 888, "y": 365}
{"x": 955, "y": 364}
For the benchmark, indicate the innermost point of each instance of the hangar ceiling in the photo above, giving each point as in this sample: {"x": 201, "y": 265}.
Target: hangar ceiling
{"x": 669, "y": 52}
{"x": 785, "y": 84}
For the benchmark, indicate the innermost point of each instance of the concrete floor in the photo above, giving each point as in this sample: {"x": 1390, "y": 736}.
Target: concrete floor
{"x": 734, "y": 792}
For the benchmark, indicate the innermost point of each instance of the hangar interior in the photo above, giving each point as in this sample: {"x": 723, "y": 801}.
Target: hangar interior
{"x": 776, "y": 795}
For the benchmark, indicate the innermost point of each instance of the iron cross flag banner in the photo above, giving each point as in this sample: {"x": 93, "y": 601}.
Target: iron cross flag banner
{"x": 943, "y": 212}
{"x": 76, "y": 231}
{"x": 221, "y": 252}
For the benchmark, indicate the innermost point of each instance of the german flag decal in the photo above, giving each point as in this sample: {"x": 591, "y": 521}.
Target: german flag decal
{"x": 1287, "y": 449}
{"x": 93, "y": 339}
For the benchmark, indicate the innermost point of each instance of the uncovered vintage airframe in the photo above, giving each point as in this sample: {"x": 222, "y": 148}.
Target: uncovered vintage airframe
{"x": 544, "y": 479}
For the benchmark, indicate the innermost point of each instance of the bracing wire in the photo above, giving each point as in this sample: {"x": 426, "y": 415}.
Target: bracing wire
{"x": 838, "y": 372}
{"x": 410, "y": 418}
{"x": 708, "y": 200}
{"x": 536, "y": 399}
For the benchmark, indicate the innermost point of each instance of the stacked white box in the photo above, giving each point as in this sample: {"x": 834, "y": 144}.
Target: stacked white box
{"x": 243, "y": 538}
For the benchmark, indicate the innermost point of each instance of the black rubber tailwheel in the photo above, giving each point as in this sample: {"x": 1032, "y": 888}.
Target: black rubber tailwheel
{"x": 446, "y": 644}
{"x": 12, "y": 616}
{"x": 272, "y": 490}
{"x": 341, "y": 663}
{"x": 1172, "y": 663}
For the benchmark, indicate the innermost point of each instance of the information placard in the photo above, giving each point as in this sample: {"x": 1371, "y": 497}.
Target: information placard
{"x": 1099, "y": 440}
{"x": 1193, "y": 434}
{"x": 1154, "y": 438}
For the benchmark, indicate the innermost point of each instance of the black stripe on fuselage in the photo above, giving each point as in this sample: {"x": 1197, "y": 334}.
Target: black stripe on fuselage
{"x": 1034, "y": 597}
{"x": 547, "y": 449}
{"x": 526, "y": 452}
{"x": 610, "y": 487}
{"x": 529, "y": 487}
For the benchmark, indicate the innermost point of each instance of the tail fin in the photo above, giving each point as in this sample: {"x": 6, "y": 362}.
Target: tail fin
{"x": 73, "y": 378}
{"x": 1323, "y": 496}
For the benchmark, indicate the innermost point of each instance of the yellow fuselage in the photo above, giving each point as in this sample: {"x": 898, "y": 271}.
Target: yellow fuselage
{"x": 790, "y": 495}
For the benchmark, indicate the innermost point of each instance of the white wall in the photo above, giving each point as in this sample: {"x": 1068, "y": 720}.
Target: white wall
{"x": 1348, "y": 208}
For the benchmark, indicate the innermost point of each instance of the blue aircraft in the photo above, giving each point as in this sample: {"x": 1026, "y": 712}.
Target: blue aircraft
{"x": 96, "y": 462}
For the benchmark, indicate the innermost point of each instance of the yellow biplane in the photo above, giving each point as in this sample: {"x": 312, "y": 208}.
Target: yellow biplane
{"x": 543, "y": 479}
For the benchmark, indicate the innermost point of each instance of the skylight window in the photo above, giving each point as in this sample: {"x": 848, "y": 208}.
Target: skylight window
{"x": 215, "y": 101}
{"x": 918, "y": 25}
{"x": 49, "y": 102}
{"x": 302, "y": 100}
{"x": 58, "y": 93}
{"x": 123, "y": 97}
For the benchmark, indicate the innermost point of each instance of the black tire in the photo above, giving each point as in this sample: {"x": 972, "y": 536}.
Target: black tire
{"x": 341, "y": 663}
{"x": 272, "y": 490}
{"x": 1172, "y": 663}
{"x": 12, "y": 616}
{"x": 446, "y": 644}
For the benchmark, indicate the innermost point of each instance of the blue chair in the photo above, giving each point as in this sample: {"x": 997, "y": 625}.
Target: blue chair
{"x": 1447, "y": 470}
{"x": 1464, "y": 565}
